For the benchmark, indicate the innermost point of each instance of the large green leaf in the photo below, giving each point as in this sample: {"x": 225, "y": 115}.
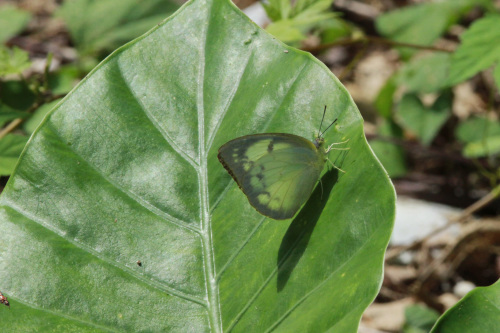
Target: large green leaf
{"x": 125, "y": 168}
{"x": 478, "y": 311}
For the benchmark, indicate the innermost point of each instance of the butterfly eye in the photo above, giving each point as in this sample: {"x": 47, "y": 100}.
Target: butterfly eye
{"x": 318, "y": 142}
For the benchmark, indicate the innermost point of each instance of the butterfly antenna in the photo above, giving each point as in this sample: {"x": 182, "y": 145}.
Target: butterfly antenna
{"x": 329, "y": 127}
{"x": 319, "y": 131}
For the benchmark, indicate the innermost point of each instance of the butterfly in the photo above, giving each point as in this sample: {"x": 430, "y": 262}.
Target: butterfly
{"x": 276, "y": 171}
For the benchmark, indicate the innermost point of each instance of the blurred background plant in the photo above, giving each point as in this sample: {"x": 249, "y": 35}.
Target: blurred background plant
{"x": 424, "y": 74}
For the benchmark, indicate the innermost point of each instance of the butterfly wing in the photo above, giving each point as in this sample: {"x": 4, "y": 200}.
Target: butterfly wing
{"x": 276, "y": 171}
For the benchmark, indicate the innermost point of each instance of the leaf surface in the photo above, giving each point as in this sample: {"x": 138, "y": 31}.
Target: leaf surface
{"x": 12, "y": 21}
{"x": 424, "y": 121}
{"x": 424, "y": 23}
{"x": 480, "y": 49}
{"x": 125, "y": 168}
{"x": 478, "y": 311}
{"x": 425, "y": 74}
{"x": 480, "y": 135}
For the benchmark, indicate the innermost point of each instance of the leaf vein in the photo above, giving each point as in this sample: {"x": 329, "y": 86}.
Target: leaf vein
{"x": 164, "y": 133}
{"x": 142, "y": 202}
{"x": 235, "y": 254}
{"x": 275, "y": 270}
{"x": 303, "y": 298}
{"x": 152, "y": 283}
{"x": 228, "y": 103}
{"x": 55, "y": 313}
{"x": 205, "y": 218}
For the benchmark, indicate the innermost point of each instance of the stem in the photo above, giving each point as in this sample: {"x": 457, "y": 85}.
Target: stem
{"x": 353, "y": 62}
{"x": 10, "y": 127}
{"x": 484, "y": 201}
{"x": 374, "y": 40}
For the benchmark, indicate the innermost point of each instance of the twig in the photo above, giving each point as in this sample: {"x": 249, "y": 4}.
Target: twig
{"x": 492, "y": 195}
{"x": 471, "y": 238}
{"x": 465, "y": 215}
{"x": 10, "y": 127}
{"x": 380, "y": 40}
{"x": 353, "y": 62}
{"x": 375, "y": 40}
{"x": 415, "y": 146}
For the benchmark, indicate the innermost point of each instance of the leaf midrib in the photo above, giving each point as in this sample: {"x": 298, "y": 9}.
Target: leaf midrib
{"x": 206, "y": 225}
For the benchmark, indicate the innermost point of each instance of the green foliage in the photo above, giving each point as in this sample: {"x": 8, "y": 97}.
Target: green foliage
{"x": 479, "y": 49}
{"x": 12, "y": 21}
{"x": 7, "y": 114}
{"x": 11, "y": 147}
{"x": 291, "y": 22}
{"x": 419, "y": 319}
{"x": 126, "y": 169}
{"x": 13, "y": 61}
{"x": 496, "y": 75}
{"x": 476, "y": 129}
{"x": 434, "y": 73}
{"x": 16, "y": 95}
{"x": 390, "y": 154}
{"x": 478, "y": 311}
{"x": 422, "y": 24}
{"x": 385, "y": 98}
{"x": 334, "y": 29}
{"x": 480, "y": 135}
{"x": 423, "y": 121}
{"x": 488, "y": 146}
{"x": 103, "y": 25}
{"x": 36, "y": 118}
{"x": 65, "y": 79}
{"x": 425, "y": 74}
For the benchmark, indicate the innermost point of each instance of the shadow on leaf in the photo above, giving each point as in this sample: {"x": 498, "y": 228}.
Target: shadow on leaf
{"x": 299, "y": 232}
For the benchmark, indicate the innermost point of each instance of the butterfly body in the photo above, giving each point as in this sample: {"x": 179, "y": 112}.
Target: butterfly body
{"x": 276, "y": 171}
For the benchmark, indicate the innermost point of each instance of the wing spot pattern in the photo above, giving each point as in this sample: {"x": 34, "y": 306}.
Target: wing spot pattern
{"x": 270, "y": 147}
{"x": 267, "y": 162}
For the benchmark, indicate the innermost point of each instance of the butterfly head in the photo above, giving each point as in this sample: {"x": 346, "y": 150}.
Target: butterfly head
{"x": 319, "y": 141}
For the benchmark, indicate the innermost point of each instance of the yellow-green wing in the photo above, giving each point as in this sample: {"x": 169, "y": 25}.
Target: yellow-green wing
{"x": 276, "y": 171}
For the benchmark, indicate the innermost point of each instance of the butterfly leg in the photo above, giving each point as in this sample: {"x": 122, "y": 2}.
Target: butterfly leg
{"x": 330, "y": 147}
{"x": 341, "y": 142}
{"x": 336, "y": 167}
